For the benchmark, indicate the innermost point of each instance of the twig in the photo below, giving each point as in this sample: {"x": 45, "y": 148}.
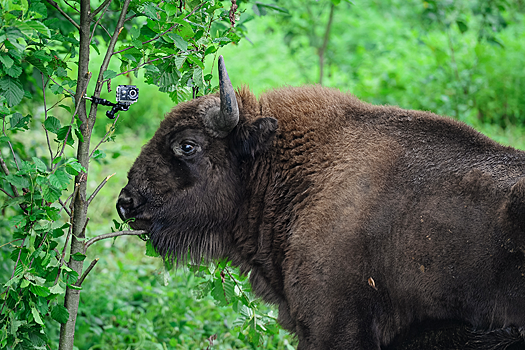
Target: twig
{"x": 64, "y": 207}
{"x": 10, "y": 147}
{"x": 73, "y": 7}
{"x": 16, "y": 240}
{"x": 56, "y": 82}
{"x": 55, "y": 5}
{"x": 45, "y": 115}
{"x": 10, "y": 196}
{"x": 6, "y": 171}
{"x": 73, "y": 195}
{"x": 322, "y": 49}
{"x": 98, "y": 9}
{"x": 113, "y": 234}
{"x": 108, "y": 3}
{"x": 84, "y": 275}
{"x": 56, "y": 103}
{"x": 72, "y": 120}
{"x": 99, "y": 188}
{"x": 104, "y": 138}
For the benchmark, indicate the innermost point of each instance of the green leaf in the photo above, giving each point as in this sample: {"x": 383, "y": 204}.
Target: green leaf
{"x": 51, "y": 194}
{"x": 18, "y": 121}
{"x": 134, "y": 32}
{"x": 57, "y": 289}
{"x": 67, "y": 108}
{"x": 150, "y": 250}
{"x": 195, "y": 60}
{"x": 184, "y": 29}
{"x": 39, "y": 290}
{"x": 56, "y": 89}
{"x": 12, "y": 90}
{"x": 7, "y": 61}
{"x": 180, "y": 43}
{"x": 109, "y": 74}
{"x": 60, "y": 179}
{"x": 62, "y": 132}
{"x": 14, "y": 71}
{"x": 52, "y": 124}
{"x": 218, "y": 292}
{"x": 29, "y": 29}
{"x": 150, "y": 10}
{"x": 98, "y": 154}
{"x": 197, "y": 78}
{"x": 36, "y": 316}
{"x": 40, "y": 165}
{"x": 78, "y": 256}
{"x": 60, "y": 314}
{"x": 18, "y": 181}
{"x": 462, "y": 26}
{"x": 179, "y": 61}
{"x": 53, "y": 213}
{"x": 137, "y": 44}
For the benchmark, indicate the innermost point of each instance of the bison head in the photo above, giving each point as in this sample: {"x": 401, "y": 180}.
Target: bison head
{"x": 186, "y": 188}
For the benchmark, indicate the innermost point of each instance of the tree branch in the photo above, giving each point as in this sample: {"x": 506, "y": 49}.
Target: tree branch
{"x": 6, "y": 171}
{"x": 113, "y": 234}
{"x": 107, "y": 2}
{"x": 104, "y": 138}
{"x": 78, "y": 104}
{"x": 98, "y": 9}
{"x": 55, "y": 5}
{"x": 88, "y": 270}
{"x": 45, "y": 117}
{"x": 325, "y": 43}
{"x": 99, "y": 188}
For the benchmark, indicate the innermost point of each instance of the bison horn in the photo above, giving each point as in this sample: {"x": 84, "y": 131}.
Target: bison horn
{"x": 224, "y": 120}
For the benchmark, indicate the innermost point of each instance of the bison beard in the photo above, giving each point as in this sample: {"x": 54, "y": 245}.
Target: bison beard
{"x": 370, "y": 227}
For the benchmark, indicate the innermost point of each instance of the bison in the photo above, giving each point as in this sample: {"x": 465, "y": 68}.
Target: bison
{"x": 364, "y": 224}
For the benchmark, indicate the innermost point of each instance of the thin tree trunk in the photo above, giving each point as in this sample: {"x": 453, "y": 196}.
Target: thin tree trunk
{"x": 80, "y": 201}
{"x": 79, "y": 217}
{"x": 325, "y": 43}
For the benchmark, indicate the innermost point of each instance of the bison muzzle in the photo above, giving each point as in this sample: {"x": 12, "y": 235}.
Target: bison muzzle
{"x": 360, "y": 222}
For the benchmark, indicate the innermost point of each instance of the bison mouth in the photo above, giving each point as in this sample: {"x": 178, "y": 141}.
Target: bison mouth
{"x": 130, "y": 206}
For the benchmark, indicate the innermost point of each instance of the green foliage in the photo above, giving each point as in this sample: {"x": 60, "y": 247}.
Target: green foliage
{"x": 458, "y": 58}
{"x": 42, "y": 51}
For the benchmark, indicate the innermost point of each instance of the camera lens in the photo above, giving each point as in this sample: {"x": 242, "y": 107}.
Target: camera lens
{"x": 133, "y": 93}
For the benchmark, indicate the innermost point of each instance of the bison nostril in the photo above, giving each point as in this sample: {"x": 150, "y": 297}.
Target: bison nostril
{"x": 125, "y": 202}
{"x": 128, "y": 202}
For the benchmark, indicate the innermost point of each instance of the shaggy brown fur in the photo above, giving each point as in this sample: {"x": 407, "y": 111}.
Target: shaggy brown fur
{"x": 360, "y": 222}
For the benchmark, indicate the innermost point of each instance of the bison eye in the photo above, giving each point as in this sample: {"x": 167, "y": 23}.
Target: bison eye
{"x": 186, "y": 148}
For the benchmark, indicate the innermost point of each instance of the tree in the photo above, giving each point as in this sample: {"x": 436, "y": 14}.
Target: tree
{"x": 42, "y": 44}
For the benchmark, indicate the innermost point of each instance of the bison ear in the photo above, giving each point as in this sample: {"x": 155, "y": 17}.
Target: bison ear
{"x": 251, "y": 139}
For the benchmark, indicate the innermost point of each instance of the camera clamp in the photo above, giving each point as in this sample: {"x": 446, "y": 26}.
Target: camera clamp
{"x": 119, "y": 106}
{"x": 126, "y": 96}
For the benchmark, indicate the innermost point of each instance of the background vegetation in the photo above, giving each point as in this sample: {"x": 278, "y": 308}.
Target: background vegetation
{"x": 461, "y": 58}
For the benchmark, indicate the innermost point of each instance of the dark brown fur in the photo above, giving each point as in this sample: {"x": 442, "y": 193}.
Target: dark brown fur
{"x": 360, "y": 222}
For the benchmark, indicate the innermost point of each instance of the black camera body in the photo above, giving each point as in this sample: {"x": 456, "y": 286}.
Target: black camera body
{"x": 127, "y": 94}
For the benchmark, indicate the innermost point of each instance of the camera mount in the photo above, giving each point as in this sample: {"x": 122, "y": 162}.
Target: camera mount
{"x": 126, "y": 96}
